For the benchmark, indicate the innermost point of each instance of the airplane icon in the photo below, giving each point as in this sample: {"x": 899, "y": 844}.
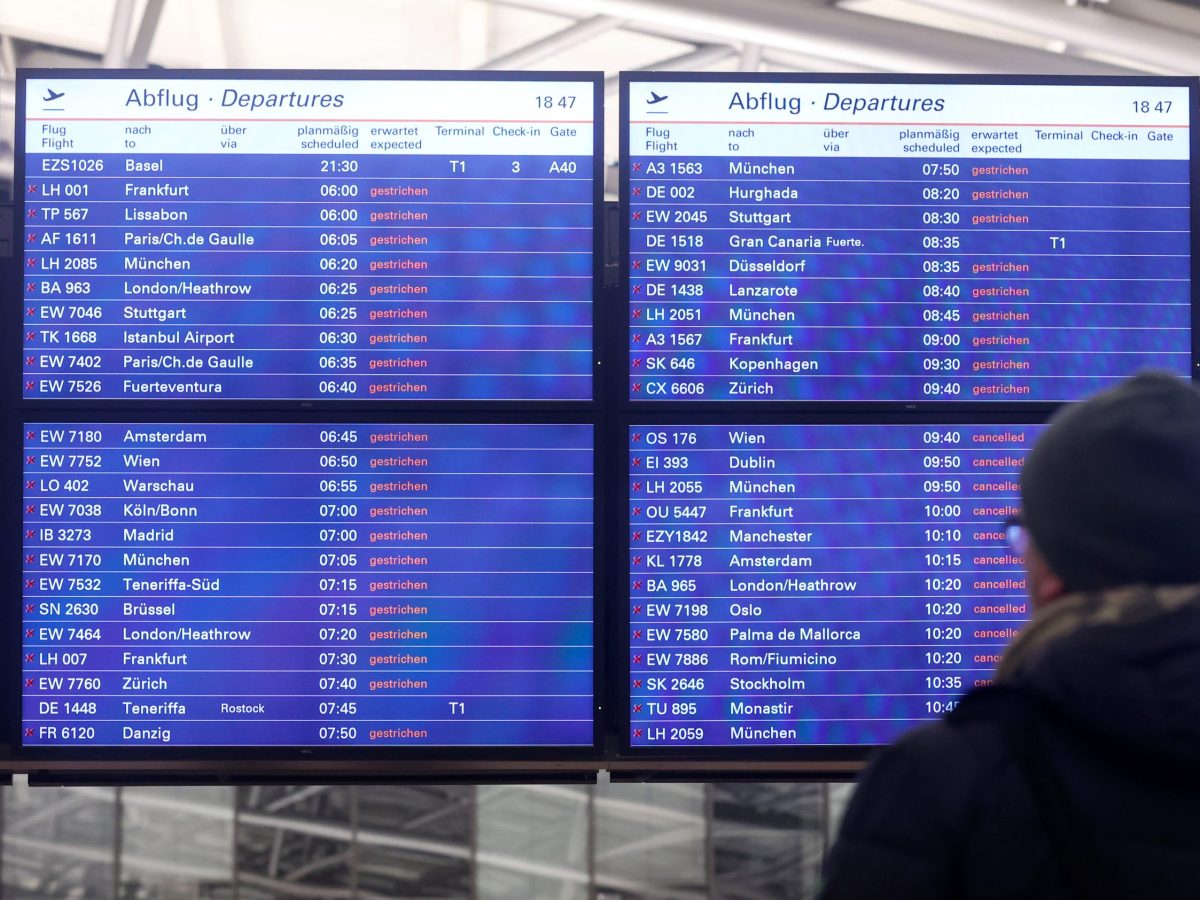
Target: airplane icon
{"x": 52, "y": 94}
{"x": 657, "y": 98}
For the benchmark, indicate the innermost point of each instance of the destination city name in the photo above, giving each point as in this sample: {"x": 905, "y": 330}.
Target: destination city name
{"x": 770, "y": 733}
{"x": 189, "y": 239}
{"x": 782, "y": 242}
{"x": 801, "y": 634}
{"x": 171, "y": 387}
{"x": 777, "y": 660}
{"x": 169, "y": 486}
{"x": 767, "y": 585}
{"x": 162, "y": 189}
{"x": 159, "y": 510}
{"x": 147, "y": 609}
{"x": 761, "y": 487}
{"x": 184, "y": 633}
{"x": 186, "y": 288}
{"x": 174, "y": 361}
{"x": 160, "y": 337}
{"x": 165, "y": 437}
{"x": 176, "y": 708}
{"x": 741, "y": 708}
{"x": 750, "y": 366}
{"x": 174, "y": 583}
{"x": 768, "y": 683}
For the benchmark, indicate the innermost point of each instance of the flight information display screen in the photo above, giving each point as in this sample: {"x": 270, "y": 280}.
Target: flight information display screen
{"x": 900, "y": 240}
{"x": 222, "y": 237}
{"x": 816, "y": 584}
{"x": 199, "y": 584}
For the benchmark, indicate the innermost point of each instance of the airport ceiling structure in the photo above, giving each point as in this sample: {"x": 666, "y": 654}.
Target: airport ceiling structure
{"x": 1081, "y": 37}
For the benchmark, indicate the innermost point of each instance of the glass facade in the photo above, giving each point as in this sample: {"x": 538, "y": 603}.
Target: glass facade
{"x": 491, "y": 842}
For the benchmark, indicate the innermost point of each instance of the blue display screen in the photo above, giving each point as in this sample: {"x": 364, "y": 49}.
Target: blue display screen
{"x": 816, "y": 584}
{"x": 225, "y": 238}
{"x": 884, "y": 241}
{"x": 308, "y": 585}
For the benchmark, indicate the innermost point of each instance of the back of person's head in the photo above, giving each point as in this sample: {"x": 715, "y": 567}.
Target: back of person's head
{"x": 1111, "y": 490}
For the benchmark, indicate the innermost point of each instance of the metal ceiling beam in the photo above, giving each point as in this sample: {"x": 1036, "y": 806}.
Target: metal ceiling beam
{"x": 362, "y": 836}
{"x": 170, "y": 865}
{"x": 121, "y": 52}
{"x": 832, "y": 33}
{"x": 293, "y": 876}
{"x": 139, "y": 53}
{"x": 297, "y": 796}
{"x": 626, "y": 809}
{"x": 447, "y": 808}
{"x": 700, "y": 58}
{"x": 803, "y": 62}
{"x": 391, "y": 871}
{"x": 61, "y": 805}
{"x": 751, "y": 58}
{"x": 175, "y": 802}
{"x": 1086, "y": 28}
{"x": 581, "y": 851}
{"x": 304, "y": 891}
{"x": 8, "y": 58}
{"x": 689, "y": 834}
{"x": 553, "y": 44}
{"x": 116, "y": 54}
{"x": 694, "y": 38}
{"x": 1175, "y": 16}
{"x": 209, "y": 33}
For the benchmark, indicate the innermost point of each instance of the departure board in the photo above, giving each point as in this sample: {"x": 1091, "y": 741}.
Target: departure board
{"x": 197, "y": 584}
{"x": 895, "y": 239}
{"x": 206, "y": 236}
{"x": 817, "y": 584}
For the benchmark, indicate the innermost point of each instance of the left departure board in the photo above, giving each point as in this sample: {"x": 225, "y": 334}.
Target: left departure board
{"x": 223, "y": 237}
{"x": 311, "y": 585}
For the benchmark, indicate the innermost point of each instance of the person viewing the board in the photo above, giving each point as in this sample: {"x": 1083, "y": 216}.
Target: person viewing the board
{"x": 1076, "y": 774}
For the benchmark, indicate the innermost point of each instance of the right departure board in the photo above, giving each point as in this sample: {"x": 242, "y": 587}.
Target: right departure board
{"x": 879, "y": 239}
{"x": 817, "y": 584}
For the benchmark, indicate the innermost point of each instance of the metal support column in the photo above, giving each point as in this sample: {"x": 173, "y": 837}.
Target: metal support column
{"x": 116, "y": 56}
{"x": 140, "y": 51}
{"x": 571, "y": 36}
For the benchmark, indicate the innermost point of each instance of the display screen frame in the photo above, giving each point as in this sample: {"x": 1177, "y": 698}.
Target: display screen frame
{"x": 569, "y": 762}
{"x": 588, "y": 80}
{"x": 610, "y": 412}
{"x": 628, "y": 79}
{"x": 792, "y": 758}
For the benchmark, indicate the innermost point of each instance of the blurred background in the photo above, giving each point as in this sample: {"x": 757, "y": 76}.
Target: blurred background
{"x": 1082, "y": 37}
{"x": 743, "y": 841}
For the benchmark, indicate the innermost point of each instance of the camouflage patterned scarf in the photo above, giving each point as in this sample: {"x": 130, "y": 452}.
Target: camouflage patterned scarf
{"x": 1065, "y": 615}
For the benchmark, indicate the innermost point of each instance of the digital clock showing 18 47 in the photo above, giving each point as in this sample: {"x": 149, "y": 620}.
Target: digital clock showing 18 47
{"x": 885, "y": 240}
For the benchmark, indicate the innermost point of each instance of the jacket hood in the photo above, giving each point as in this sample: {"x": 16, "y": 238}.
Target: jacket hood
{"x": 1121, "y": 665}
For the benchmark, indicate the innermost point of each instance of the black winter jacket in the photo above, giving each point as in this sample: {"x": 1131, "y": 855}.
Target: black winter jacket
{"x": 1111, "y": 707}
